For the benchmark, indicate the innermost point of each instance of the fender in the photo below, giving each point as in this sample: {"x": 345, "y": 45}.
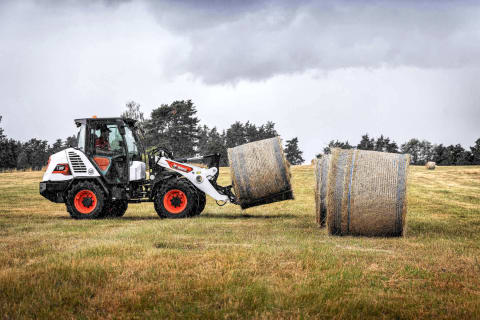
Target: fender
{"x": 97, "y": 179}
{"x": 160, "y": 179}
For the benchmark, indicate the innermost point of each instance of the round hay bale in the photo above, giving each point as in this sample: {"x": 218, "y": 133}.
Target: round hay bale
{"x": 366, "y": 193}
{"x": 260, "y": 173}
{"x": 321, "y": 175}
{"x": 430, "y": 165}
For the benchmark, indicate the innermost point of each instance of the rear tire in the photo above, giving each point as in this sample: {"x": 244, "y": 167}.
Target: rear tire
{"x": 115, "y": 209}
{"x": 176, "y": 199}
{"x": 85, "y": 200}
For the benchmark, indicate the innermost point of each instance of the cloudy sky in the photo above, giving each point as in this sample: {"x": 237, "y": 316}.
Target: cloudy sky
{"x": 321, "y": 70}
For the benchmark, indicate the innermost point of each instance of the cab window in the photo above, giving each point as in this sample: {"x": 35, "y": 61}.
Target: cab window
{"x": 81, "y": 138}
{"x": 132, "y": 145}
{"x": 107, "y": 140}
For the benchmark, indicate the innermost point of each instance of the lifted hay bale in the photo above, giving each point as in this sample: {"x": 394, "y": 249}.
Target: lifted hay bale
{"x": 430, "y": 165}
{"x": 367, "y": 193}
{"x": 321, "y": 175}
{"x": 260, "y": 173}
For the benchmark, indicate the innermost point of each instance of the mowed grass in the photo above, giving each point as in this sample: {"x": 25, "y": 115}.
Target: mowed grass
{"x": 266, "y": 262}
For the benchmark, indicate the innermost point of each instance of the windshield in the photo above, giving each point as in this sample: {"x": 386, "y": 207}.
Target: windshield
{"x": 134, "y": 148}
{"x": 107, "y": 139}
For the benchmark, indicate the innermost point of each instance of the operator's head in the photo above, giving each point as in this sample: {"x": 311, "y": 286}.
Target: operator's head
{"x": 104, "y": 132}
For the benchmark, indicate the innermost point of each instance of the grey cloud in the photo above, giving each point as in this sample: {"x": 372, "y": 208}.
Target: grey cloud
{"x": 229, "y": 41}
{"x": 255, "y": 41}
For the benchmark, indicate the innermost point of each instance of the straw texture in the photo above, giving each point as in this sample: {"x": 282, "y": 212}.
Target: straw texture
{"x": 321, "y": 175}
{"x": 430, "y": 165}
{"x": 260, "y": 173}
{"x": 366, "y": 193}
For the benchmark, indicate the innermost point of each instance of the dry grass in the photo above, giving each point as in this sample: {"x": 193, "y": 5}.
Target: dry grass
{"x": 268, "y": 262}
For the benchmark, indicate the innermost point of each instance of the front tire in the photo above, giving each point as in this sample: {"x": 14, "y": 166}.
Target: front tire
{"x": 202, "y": 201}
{"x": 85, "y": 200}
{"x": 176, "y": 199}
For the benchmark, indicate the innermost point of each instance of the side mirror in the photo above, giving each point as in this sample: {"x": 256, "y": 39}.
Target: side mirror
{"x": 122, "y": 130}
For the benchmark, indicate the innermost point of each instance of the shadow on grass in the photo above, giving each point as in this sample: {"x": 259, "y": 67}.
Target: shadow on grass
{"x": 136, "y": 218}
{"x": 246, "y": 216}
{"x": 435, "y": 229}
{"x": 156, "y": 217}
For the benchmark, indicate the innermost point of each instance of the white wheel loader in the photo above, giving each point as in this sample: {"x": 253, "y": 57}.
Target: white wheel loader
{"x": 108, "y": 169}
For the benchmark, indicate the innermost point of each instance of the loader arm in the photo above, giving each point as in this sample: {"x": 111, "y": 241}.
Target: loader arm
{"x": 202, "y": 178}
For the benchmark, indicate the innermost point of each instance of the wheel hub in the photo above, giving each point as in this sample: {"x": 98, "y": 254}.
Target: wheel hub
{"x": 176, "y": 201}
{"x": 87, "y": 202}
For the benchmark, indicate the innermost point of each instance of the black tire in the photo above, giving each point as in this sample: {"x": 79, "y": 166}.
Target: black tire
{"x": 81, "y": 197}
{"x": 202, "y": 201}
{"x": 176, "y": 199}
{"x": 115, "y": 209}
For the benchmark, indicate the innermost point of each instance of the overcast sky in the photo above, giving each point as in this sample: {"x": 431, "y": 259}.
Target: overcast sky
{"x": 320, "y": 70}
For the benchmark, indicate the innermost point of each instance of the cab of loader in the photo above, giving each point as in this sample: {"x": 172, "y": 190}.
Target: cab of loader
{"x": 114, "y": 147}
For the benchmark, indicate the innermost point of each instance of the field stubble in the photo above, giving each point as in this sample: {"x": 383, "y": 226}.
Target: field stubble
{"x": 266, "y": 262}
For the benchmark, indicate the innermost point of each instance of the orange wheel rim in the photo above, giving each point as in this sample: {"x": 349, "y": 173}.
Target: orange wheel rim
{"x": 175, "y": 201}
{"x": 85, "y": 201}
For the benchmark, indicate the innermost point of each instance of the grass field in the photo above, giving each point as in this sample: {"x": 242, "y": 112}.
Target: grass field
{"x": 267, "y": 262}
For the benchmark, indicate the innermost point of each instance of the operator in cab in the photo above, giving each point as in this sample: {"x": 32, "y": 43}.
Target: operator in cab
{"x": 102, "y": 141}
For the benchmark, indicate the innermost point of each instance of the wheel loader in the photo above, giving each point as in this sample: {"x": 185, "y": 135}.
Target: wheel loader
{"x": 110, "y": 168}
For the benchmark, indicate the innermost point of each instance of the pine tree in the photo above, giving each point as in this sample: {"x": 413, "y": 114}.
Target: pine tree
{"x": 251, "y": 132}
{"x": 392, "y": 147}
{"x": 366, "y": 143}
{"x": 267, "y": 131}
{"x": 381, "y": 144}
{"x": 175, "y": 127}
{"x": 293, "y": 153}
{"x": 236, "y": 135}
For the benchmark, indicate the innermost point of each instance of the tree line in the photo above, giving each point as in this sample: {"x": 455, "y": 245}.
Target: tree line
{"x": 32, "y": 154}
{"x": 174, "y": 126}
{"x": 421, "y": 151}
{"x": 177, "y": 127}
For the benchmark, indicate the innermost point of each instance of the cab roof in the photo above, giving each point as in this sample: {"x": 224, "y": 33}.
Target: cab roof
{"x": 130, "y": 122}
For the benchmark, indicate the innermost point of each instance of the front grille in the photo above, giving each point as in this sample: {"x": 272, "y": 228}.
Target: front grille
{"x": 77, "y": 164}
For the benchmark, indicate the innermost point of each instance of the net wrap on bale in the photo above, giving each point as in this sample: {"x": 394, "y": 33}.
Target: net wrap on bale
{"x": 367, "y": 193}
{"x": 260, "y": 173}
{"x": 321, "y": 175}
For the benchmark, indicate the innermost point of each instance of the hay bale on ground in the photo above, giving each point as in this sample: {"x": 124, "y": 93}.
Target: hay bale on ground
{"x": 430, "y": 165}
{"x": 260, "y": 173}
{"x": 321, "y": 175}
{"x": 367, "y": 193}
